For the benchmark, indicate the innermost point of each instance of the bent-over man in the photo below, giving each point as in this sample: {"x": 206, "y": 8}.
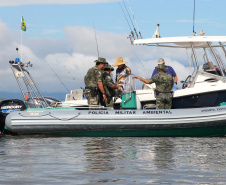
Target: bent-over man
{"x": 109, "y": 86}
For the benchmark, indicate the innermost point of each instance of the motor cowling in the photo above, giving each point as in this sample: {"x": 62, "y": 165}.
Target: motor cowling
{"x": 7, "y": 106}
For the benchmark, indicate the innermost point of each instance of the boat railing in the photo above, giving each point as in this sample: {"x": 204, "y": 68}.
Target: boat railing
{"x": 26, "y": 83}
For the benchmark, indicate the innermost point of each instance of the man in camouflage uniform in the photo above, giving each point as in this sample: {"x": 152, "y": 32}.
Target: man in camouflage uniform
{"x": 164, "y": 85}
{"x": 109, "y": 85}
{"x": 94, "y": 83}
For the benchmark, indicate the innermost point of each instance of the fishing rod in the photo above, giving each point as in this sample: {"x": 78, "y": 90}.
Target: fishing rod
{"x": 130, "y": 19}
{"x": 96, "y": 40}
{"x": 132, "y": 33}
{"x": 141, "y": 63}
{"x": 134, "y": 19}
{"x": 58, "y": 77}
{"x": 73, "y": 78}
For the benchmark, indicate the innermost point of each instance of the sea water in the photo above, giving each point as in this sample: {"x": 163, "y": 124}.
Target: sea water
{"x": 112, "y": 160}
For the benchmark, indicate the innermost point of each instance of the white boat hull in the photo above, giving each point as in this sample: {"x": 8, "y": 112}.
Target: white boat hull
{"x": 139, "y": 122}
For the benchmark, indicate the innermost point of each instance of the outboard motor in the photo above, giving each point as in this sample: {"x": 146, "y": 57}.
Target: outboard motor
{"x": 7, "y": 106}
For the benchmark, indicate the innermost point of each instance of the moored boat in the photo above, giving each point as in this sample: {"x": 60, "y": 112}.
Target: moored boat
{"x": 198, "y": 122}
{"x": 196, "y": 111}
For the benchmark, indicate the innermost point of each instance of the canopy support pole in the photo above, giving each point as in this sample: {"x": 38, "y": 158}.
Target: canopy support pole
{"x": 216, "y": 58}
{"x": 223, "y": 48}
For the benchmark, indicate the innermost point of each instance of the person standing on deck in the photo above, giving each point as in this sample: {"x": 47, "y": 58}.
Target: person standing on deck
{"x": 109, "y": 86}
{"x": 122, "y": 72}
{"x": 164, "y": 85}
{"x": 170, "y": 71}
{"x": 94, "y": 83}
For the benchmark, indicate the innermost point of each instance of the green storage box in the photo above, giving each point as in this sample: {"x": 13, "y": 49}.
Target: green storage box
{"x": 129, "y": 101}
{"x": 223, "y": 104}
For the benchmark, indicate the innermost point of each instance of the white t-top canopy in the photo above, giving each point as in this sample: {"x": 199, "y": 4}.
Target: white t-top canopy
{"x": 183, "y": 42}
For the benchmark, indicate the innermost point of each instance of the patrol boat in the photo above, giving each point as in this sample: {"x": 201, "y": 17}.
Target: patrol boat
{"x": 193, "y": 115}
{"x": 131, "y": 120}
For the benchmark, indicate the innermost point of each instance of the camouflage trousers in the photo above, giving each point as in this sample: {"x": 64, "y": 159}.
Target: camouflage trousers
{"x": 92, "y": 100}
{"x": 164, "y": 101}
{"x": 109, "y": 103}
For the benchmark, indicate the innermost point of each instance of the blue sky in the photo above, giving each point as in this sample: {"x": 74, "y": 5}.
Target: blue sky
{"x": 175, "y": 17}
{"x": 61, "y": 33}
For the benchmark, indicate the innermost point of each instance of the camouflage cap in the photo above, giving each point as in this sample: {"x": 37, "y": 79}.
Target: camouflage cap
{"x": 161, "y": 66}
{"x": 108, "y": 67}
{"x": 101, "y": 60}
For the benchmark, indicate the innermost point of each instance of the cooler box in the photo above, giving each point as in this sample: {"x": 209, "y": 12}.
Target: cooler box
{"x": 129, "y": 101}
{"x": 223, "y": 104}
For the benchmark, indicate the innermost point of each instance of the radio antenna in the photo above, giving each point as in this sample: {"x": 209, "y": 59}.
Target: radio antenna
{"x": 194, "y": 20}
{"x": 96, "y": 40}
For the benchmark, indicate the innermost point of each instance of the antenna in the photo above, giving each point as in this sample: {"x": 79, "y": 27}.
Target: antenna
{"x": 194, "y": 20}
{"x": 96, "y": 40}
{"x": 17, "y": 50}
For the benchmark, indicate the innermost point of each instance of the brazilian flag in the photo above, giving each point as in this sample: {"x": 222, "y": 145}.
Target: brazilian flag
{"x": 23, "y": 25}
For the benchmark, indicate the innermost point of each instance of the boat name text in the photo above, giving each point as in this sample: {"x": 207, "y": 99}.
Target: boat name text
{"x": 98, "y": 112}
{"x": 132, "y": 112}
{"x": 213, "y": 109}
{"x": 157, "y": 112}
{"x": 126, "y": 112}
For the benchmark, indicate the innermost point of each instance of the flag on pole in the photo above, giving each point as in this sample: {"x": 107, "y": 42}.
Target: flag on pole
{"x": 23, "y": 25}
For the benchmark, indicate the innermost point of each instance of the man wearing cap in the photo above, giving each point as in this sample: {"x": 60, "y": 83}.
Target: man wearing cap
{"x": 164, "y": 84}
{"x": 109, "y": 86}
{"x": 94, "y": 83}
{"x": 170, "y": 71}
{"x": 122, "y": 72}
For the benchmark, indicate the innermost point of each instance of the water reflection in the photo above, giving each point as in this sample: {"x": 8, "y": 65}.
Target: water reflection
{"x": 48, "y": 160}
{"x": 101, "y": 153}
{"x": 164, "y": 152}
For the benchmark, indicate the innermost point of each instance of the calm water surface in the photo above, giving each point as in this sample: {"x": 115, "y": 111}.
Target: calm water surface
{"x": 113, "y": 160}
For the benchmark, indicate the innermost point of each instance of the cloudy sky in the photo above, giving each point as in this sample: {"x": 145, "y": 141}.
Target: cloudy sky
{"x": 60, "y": 36}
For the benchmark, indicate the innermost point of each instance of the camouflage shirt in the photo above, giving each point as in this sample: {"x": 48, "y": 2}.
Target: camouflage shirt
{"x": 163, "y": 81}
{"x": 93, "y": 76}
{"x": 108, "y": 82}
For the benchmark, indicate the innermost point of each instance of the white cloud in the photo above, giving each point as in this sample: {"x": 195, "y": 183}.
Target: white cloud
{"x": 197, "y": 21}
{"x": 51, "y": 31}
{"x": 71, "y": 57}
{"x": 35, "y": 2}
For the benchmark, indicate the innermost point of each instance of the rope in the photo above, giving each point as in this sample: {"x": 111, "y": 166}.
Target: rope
{"x": 49, "y": 114}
